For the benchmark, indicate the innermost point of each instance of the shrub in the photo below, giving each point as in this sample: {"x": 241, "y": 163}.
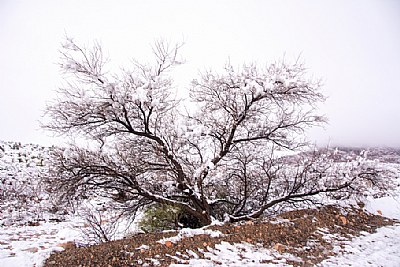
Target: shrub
{"x": 160, "y": 217}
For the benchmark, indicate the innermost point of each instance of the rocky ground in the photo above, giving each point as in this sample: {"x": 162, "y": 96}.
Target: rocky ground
{"x": 300, "y": 238}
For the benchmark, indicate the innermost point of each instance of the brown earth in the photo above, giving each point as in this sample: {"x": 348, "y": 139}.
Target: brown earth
{"x": 300, "y": 233}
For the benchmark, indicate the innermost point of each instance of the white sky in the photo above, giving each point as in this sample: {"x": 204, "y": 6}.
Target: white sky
{"x": 354, "y": 46}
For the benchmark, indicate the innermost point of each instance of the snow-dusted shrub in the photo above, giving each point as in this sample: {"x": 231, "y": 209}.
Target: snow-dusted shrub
{"x": 221, "y": 158}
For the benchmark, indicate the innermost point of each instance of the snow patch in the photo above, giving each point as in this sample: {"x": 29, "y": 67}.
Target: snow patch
{"x": 238, "y": 254}
{"x": 379, "y": 249}
{"x": 187, "y": 232}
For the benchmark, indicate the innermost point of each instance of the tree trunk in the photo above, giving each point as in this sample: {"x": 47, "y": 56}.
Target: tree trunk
{"x": 203, "y": 217}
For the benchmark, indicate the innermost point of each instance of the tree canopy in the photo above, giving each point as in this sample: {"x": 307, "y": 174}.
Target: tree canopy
{"x": 217, "y": 160}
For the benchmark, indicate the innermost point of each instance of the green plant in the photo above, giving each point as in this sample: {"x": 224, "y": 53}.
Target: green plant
{"x": 160, "y": 217}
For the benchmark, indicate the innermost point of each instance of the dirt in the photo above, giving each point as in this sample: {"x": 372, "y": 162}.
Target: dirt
{"x": 302, "y": 233}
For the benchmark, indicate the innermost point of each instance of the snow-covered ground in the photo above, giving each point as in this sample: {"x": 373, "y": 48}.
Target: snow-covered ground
{"x": 378, "y": 249}
{"x": 243, "y": 254}
{"x": 22, "y": 245}
{"x": 28, "y": 246}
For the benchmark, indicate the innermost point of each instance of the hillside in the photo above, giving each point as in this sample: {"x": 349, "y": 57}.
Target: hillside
{"x": 33, "y": 225}
{"x": 296, "y": 238}
{"x": 23, "y": 200}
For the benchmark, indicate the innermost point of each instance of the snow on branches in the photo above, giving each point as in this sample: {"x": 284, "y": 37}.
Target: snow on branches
{"x": 219, "y": 160}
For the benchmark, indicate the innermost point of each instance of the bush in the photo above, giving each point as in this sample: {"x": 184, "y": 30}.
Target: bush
{"x": 160, "y": 217}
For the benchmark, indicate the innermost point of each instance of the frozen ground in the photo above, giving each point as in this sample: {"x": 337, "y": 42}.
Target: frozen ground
{"x": 379, "y": 249}
{"x": 30, "y": 245}
{"x": 27, "y": 246}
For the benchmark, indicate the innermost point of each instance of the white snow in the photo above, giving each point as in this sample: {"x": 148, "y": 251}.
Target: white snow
{"x": 187, "y": 232}
{"x": 378, "y": 249}
{"x": 243, "y": 254}
{"x": 31, "y": 245}
{"x": 389, "y": 206}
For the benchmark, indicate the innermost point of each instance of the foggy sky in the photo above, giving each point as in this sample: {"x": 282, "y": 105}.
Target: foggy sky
{"x": 353, "y": 46}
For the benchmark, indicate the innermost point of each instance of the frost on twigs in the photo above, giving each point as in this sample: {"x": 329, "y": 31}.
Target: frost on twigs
{"x": 222, "y": 159}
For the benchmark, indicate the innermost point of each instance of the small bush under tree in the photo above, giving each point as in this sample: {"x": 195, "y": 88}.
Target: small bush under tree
{"x": 160, "y": 217}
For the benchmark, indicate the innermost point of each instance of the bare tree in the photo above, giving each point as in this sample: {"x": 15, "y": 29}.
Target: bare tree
{"x": 218, "y": 161}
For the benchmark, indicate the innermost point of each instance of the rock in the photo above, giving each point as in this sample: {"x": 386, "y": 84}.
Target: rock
{"x": 32, "y": 250}
{"x": 168, "y": 243}
{"x": 343, "y": 219}
{"x": 66, "y": 245}
{"x": 279, "y": 247}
